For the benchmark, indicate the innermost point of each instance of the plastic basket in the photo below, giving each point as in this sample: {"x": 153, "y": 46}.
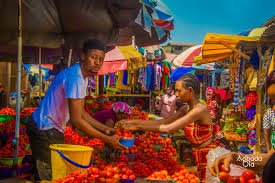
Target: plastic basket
{"x": 128, "y": 142}
{"x": 67, "y": 158}
{"x": 9, "y": 161}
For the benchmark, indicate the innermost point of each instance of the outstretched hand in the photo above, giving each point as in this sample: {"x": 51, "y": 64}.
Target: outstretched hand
{"x": 225, "y": 159}
{"x": 114, "y": 141}
{"x": 127, "y": 125}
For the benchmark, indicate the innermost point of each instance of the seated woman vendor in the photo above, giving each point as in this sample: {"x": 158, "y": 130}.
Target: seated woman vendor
{"x": 194, "y": 119}
{"x": 119, "y": 111}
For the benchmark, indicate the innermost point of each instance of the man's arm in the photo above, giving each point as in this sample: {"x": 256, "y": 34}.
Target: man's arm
{"x": 75, "y": 109}
{"x": 96, "y": 124}
{"x": 267, "y": 138}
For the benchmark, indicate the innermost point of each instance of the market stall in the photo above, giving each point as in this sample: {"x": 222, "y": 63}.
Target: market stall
{"x": 248, "y": 60}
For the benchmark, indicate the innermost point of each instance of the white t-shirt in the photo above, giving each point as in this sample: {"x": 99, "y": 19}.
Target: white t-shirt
{"x": 53, "y": 112}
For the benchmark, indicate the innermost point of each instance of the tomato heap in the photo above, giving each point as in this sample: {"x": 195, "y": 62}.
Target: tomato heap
{"x": 147, "y": 141}
{"x": 184, "y": 176}
{"x": 8, "y": 111}
{"x": 93, "y": 105}
{"x": 72, "y": 137}
{"x": 160, "y": 175}
{"x": 100, "y": 174}
{"x": 137, "y": 114}
{"x": 248, "y": 176}
{"x": 124, "y": 133}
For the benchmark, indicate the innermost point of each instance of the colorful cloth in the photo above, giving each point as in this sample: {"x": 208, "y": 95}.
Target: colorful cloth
{"x": 157, "y": 77}
{"x": 198, "y": 133}
{"x": 122, "y": 107}
{"x": 199, "y": 155}
{"x": 269, "y": 119}
{"x": 104, "y": 115}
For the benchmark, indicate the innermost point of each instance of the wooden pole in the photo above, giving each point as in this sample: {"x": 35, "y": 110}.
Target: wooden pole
{"x": 245, "y": 56}
{"x": 259, "y": 102}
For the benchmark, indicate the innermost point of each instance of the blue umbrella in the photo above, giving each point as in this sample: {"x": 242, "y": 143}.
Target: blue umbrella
{"x": 180, "y": 71}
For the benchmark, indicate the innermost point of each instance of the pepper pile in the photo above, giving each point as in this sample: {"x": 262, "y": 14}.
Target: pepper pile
{"x": 72, "y": 137}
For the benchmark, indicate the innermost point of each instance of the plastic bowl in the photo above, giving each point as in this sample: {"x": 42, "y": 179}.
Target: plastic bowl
{"x": 128, "y": 142}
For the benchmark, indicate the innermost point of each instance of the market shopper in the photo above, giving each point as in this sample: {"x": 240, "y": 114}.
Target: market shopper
{"x": 269, "y": 116}
{"x": 118, "y": 112}
{"x": 167, "y": 105}
{"x": 64, "y": 101}
{"x": 196, "y": 122}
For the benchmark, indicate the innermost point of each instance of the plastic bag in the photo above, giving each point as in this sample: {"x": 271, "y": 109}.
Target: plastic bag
{"x": 211, "y": 156}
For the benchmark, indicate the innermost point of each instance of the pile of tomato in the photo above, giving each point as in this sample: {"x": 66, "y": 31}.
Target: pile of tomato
{"x": 248, "y": 176}
{"x": 72, "y": 137}
{"x": 95, "y": 104}
{"x": 137, "y": 114}
{"x": 7, "y": 150}
{"x": 184, "y": 176}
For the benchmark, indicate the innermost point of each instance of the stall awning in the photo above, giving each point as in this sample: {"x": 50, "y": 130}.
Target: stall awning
{"x": 219, "y": 47}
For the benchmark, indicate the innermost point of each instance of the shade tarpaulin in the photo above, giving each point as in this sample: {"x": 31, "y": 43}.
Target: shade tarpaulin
{"x": 50, "y": 23}
{"x": 218, "y": 47}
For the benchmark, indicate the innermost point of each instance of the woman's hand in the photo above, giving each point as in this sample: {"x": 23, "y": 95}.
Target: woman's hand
{"x": 114, "y": 141}
{"x": 225, "y": 159}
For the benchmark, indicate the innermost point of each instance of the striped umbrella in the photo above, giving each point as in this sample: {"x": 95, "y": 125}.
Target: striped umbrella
{"x": 186, "y": 58}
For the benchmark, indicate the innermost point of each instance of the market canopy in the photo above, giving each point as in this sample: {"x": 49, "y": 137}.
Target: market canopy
{"x": 219, "y": 47}
{"x": 52, "y": 23}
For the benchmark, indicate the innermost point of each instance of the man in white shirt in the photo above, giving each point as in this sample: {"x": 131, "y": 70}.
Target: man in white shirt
{"x": 64, "y": 101}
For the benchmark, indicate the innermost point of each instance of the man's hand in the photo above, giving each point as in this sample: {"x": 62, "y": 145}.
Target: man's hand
{"x": 128, "y": 125}
{"x": 225, "y": 159}
{"x": 114, "y": 141}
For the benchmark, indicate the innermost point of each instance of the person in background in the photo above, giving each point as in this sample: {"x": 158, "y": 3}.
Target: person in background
{"x": 167, "y": 104}
{"x": 269, "y": 116}
{"x": 194, "y": 119}
{"x": 64, "y": 101}
{"x": 139, "y": 103}
{"x": 118, "y": 112}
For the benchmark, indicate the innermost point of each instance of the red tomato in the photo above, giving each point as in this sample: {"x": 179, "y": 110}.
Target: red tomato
{"x": 233, "y": 179}
{"x": 132, "y": 177}
{"x": 223, "y": 176}
{"x": 248, "y": 174}
{"x": 222, "y": 168}
{"x": 124, "y": 177}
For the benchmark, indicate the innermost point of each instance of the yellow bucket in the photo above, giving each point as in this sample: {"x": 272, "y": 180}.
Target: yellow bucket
{"x": 67, "y": 158}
